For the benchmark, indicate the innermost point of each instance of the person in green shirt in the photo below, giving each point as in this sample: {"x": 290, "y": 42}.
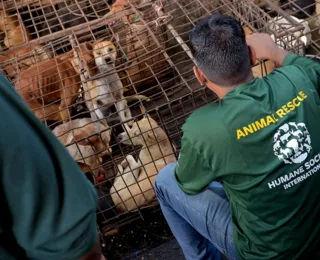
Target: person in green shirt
{"x": 247, "y": 181}
{"x": 47, "y": 206}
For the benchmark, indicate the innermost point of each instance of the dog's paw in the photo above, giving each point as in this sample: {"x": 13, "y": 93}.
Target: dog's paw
{"x": 120, "y": 168}
{"x": 128, "y": 161}
{"x": 130, "y": 123}
{"x": 124, "y": 163}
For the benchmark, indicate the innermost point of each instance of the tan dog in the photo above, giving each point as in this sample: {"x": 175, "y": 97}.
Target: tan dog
{"x": 83, "y": 144}
{"x": 108, "y": 90}
{"x": 133, "y": 185}
{"x": 260, "y": 69}
{"x": 15, "y": 34}
{"x": 51, "y": 87}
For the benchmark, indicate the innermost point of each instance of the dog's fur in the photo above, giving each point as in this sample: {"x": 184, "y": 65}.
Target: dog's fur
{"x": 105, "y": 55}
{"x": 16, "y": 34}
{"x": 51, "y": 87}
{"x": 85, "y": 145}
{"x": 108, "y": 90}
{"x": 133, "y": 185}
{"x": 138, "y": 44}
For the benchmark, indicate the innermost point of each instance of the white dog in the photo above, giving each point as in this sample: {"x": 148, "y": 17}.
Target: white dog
{"x": 133, "y": 186}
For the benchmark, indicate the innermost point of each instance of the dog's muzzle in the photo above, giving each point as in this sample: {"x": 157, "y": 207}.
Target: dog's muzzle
{"x": 122, "y": 137}
{"x": 108, "y": 60}
{"x": 104, "y": 109}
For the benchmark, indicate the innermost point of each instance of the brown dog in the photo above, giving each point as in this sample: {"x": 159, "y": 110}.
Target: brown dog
{"x": 84, "y": 145}
{"x": 260, "y": 69}
{"x": 133, "y": 186}
{"x": 51, "y": 87}
{"x": 16, "y": 34}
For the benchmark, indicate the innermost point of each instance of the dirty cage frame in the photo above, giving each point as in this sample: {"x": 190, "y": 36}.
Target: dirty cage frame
{"x": 153, "y": 59}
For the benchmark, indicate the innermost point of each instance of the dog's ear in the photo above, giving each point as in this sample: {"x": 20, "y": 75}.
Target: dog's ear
{"x": 96, "y": 42}
{"x": 89, "y": 46}
{"x": 115, "y": 39}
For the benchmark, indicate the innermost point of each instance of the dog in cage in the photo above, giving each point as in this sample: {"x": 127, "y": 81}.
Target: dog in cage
{"x": 14, "y": 33}
{"x": 108, "y": 90}
{"x": 85, "y": 145}
{"x": 51, "y": 87}
{"x": 133, "y": 185}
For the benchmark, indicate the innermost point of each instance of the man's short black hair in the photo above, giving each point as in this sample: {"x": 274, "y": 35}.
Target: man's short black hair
{"x": 220, "y": 49}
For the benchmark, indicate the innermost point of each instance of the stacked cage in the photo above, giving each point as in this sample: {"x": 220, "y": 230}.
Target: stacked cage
{"x": 114, "y": 80}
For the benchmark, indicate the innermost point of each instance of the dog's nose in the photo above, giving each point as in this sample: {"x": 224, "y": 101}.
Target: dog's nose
{"x": 108, "y": 59}
{"x": 105, "y": 111}
{"x": 100, "y": 103}
{"x": 119, "y": 138}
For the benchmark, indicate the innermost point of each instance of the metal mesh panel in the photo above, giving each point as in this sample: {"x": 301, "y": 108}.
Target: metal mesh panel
{"x": 114, "y": 81}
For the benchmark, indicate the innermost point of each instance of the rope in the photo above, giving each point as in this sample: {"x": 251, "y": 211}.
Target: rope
{"x": 162, "y": 19}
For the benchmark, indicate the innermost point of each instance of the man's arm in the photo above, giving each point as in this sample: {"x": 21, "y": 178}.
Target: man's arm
{"x": 265, "y": 48}
{"x": 192, "y": 172}
{"x": 49, "y": 206}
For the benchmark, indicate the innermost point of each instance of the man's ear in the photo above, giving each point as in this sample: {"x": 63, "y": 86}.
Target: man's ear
{"x": 199, "y": 75}
{"x": 253, "y": 57}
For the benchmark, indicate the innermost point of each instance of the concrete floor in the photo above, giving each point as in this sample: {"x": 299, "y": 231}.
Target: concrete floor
{"x": 167, "y": 251}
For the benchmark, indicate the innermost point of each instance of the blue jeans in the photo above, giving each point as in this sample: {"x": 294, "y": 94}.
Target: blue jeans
{"x": 201, "y": 223}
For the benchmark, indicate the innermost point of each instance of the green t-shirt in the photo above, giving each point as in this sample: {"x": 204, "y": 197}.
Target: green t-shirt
{"x": 47, "y": 206}
{"x": 262, "y": 142}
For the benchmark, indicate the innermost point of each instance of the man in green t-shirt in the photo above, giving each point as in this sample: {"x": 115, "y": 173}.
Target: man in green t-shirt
{"x": 47, "y": 206}
{"x": 260, "y": 141}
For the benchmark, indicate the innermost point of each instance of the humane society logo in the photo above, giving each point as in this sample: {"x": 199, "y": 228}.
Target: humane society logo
{"x": 292, "y": 143}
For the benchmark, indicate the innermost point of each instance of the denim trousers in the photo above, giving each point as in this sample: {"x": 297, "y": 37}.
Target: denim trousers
{"x": 201, "y": 223}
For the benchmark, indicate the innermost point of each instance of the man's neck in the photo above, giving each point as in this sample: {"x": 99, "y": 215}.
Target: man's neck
{"x": 221, "y": 91}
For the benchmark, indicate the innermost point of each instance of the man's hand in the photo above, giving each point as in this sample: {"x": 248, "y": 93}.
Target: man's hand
{"x": 265, "y": 48}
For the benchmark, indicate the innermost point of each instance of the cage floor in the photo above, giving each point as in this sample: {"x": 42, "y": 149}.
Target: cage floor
{"x": 137, "y": 240}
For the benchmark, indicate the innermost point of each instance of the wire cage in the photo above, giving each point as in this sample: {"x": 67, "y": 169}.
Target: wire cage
{"x": 115, "y": 83}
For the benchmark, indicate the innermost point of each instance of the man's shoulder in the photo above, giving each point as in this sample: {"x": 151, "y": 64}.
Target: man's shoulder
{"x": 203, "y": 121}
{"x": 205, "y": 113}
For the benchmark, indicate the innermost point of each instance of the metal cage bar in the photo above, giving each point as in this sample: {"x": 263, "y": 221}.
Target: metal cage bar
{"x": 115, "y": 84}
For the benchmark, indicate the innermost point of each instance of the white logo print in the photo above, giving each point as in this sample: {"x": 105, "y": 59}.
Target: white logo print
{"x": 292, "y": 143}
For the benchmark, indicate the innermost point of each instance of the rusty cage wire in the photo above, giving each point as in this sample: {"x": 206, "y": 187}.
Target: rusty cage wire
{"x": 114, "y": 80}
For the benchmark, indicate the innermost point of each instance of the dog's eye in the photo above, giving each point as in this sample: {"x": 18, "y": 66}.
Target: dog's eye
{"x": 110, "y": 49}
{"x": 99, "y": 53}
